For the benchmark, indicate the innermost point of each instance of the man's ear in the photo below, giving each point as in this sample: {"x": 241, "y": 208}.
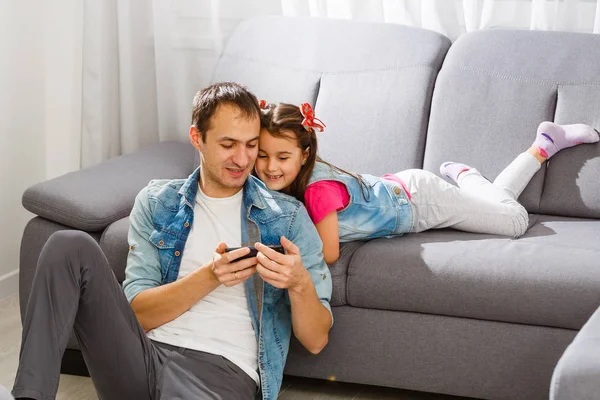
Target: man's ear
{"x": 305, "y": 155}
{"x": 195, "y": 138}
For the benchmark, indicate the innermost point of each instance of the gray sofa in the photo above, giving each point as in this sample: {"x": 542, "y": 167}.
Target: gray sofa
{"x": 577, "y": 375}
{"x": 443, "y": 311}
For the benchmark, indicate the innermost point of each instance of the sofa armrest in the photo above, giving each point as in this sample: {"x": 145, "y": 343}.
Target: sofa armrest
{"x": 577, "y": 374}
{"x": 92, "y": 198}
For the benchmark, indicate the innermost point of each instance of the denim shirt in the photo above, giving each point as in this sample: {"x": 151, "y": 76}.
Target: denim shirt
{"x": 160, "y": 221}
{"x": 382, "y": 209}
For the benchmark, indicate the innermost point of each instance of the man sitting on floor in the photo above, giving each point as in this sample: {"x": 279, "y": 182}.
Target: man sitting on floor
{"x": 191, "y": 322}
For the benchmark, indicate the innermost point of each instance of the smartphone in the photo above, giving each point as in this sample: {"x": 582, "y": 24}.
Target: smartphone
{"x": 253, "y": 251}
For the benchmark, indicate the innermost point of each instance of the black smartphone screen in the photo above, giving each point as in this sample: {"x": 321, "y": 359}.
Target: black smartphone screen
{"x": 254, "y": 252}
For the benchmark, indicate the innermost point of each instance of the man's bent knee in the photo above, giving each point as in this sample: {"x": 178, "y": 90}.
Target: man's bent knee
{"x": 64, "y": 247}
{"x": 70, "y": 239}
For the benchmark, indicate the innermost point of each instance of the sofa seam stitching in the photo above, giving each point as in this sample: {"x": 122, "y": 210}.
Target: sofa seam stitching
{"x": 470, "y": 68}
{"x": 347, "y": 72}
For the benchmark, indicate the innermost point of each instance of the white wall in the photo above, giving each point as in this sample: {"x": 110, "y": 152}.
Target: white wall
{"x": 39, "y": 78}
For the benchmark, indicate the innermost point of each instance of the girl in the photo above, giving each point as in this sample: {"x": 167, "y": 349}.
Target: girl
{"x": 345, "y": 206}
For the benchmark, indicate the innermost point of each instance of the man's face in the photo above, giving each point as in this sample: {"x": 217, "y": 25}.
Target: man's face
{"x": 228, "y": 155}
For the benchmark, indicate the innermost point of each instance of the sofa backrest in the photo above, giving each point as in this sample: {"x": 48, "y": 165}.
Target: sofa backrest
{"x": 493, "y": 90}
{"x": 370, "y": 83}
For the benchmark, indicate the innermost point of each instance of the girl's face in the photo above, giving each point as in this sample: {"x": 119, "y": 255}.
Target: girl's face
{"x": 279, "y": 160}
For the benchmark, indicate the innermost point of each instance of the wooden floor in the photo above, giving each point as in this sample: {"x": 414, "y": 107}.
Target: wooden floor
{"x": 80, "y": 388}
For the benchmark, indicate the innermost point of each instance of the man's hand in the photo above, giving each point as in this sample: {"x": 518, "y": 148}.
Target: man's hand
{"x": 284, "y": 271}
{"x": 228, "y": 271}
{"x": 158, "y": 305}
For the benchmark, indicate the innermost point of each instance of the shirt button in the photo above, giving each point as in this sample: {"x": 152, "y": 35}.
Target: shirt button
{"x": 397, "y": 190}
{"x": 161, "y": 242}
{"x": 132, "y": 247}
{"x": 186, "y": 224}
{"x": 177, "y": 254}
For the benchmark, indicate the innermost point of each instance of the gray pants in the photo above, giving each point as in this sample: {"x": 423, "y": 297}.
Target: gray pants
{"x": 476, "y": 205}
{"x": 74, "y": 288}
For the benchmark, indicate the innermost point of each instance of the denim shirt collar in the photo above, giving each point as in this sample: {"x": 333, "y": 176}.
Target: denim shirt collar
{"x": 189, "y": 189}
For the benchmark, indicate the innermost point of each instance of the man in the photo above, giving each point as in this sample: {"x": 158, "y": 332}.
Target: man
{"x": 200, "y": 325}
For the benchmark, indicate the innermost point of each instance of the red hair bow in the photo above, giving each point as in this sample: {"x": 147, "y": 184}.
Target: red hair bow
{"x": 309, "y": 120}
{"x": 263, "y": 104}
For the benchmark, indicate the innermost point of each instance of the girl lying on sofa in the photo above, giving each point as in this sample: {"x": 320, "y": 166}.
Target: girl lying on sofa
{"x": 346, "y": 206}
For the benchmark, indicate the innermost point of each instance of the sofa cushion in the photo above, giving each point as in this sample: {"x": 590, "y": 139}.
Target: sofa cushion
{"x": 375, "y": 102}
{"x": 572, "y": 187}
{"x": 549, "y": 277}
{"x": 339, "y": 272}
{"x": 494, "y": 89}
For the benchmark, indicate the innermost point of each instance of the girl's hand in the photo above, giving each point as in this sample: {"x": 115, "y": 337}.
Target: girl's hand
{"x": 284, "y": 271}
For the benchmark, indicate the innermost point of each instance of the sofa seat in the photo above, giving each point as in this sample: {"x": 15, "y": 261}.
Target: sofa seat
{"x": 532, "y": 280}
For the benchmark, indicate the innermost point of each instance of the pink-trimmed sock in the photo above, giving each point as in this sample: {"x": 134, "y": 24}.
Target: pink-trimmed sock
{"x": 551, "y": 137}
{"x": 452, "y": 170}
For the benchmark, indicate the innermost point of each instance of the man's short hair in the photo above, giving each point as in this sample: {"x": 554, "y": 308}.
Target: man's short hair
{"x": 208, "y": 100}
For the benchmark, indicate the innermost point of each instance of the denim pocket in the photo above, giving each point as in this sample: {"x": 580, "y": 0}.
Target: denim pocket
{"x": 165, "y": 243}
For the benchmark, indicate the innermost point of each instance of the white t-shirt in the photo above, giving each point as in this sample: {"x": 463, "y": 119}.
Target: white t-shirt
{"x": 220, "y": 323}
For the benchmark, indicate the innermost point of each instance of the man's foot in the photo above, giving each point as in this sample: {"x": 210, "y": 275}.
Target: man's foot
{"x": 551, "y": 137}
{"x": 452, "y": 170}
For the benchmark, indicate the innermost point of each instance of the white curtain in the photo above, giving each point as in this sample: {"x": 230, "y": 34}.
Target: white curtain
{"x": 142, "y": 63}
{"x": 455, "y": 17}
{"x": 86, "y": 80}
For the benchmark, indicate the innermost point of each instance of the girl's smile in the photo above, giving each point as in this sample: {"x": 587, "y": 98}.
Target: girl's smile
{"x": 279, "y": 160}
